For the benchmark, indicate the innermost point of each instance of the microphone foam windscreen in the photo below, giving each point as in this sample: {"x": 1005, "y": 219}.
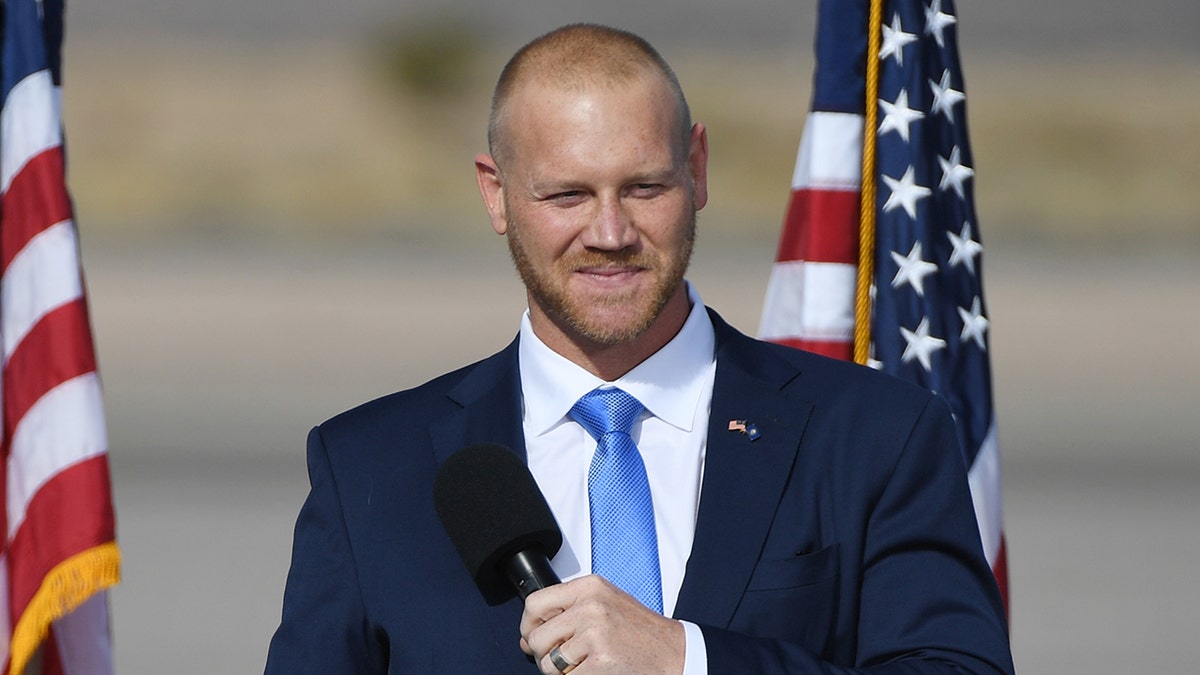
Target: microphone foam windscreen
{"x": 492, "y": 508}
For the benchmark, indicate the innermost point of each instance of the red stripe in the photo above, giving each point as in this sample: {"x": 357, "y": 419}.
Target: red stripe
{"x": 70, "y": 514}
{"x": 58, "y": 348}
{"x": 1000, "y": 569}
{"x": 36, "y": 199}
{"x": 831, "y": 348}
{"x": 821, "y": 226}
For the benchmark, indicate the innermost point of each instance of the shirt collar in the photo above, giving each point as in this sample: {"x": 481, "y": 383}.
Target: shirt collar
{"x": 669, "y": 383}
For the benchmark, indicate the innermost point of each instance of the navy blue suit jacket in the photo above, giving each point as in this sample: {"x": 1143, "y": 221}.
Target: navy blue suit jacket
{"x": 842, "y": 537}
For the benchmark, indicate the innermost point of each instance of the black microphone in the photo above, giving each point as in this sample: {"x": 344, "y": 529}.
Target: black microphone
{"x": 498, "y": 520}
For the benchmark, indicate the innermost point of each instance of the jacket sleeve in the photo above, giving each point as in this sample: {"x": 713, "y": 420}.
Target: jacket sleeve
{"x": 324, "y": 628}
{"x": 928, "y": 602}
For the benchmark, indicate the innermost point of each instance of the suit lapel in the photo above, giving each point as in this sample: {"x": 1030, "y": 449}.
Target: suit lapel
{"x": 744, "y": 479}
{"x": 487, "y": 409}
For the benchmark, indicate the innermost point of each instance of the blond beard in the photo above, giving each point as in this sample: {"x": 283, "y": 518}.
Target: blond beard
{"x": 548, "y": 288}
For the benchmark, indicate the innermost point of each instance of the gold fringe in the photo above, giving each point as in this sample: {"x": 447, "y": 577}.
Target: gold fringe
{"x": 866, "y": 218}
{"x": 64, "y": 588}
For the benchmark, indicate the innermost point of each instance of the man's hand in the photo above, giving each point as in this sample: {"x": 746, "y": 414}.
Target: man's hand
{"x": 599, "y": 629}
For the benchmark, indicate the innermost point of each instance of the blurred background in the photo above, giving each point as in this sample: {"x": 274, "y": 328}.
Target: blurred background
{"x": 279, "y": 220}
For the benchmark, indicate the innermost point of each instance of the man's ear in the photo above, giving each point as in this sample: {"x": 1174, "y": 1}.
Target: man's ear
{"x": 698, "y": 165}
{"x": 487, "y": 174}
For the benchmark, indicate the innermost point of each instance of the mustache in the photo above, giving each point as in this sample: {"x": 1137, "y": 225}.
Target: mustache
{"x": 622, "y": 258}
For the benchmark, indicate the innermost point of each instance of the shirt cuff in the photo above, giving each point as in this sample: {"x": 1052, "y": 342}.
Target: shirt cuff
{"x": 695, "y": 654}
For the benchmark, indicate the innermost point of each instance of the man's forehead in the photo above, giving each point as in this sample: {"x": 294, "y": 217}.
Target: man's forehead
{"x": 542, "y": 111}
{"x": 548, "y": 85}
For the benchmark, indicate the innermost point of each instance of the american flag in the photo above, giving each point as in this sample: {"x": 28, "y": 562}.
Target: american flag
{"x": 59, "y": 552}
{"x": 886, "y": 270}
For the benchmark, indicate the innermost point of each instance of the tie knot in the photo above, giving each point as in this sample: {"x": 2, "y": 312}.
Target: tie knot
{"x": 603, "y": 411}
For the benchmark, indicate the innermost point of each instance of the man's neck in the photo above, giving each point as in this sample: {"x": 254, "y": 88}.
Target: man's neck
{"x": 610, "y": 361}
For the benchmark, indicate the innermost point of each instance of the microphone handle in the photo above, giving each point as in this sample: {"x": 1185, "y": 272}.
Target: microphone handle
{"x": 530, "y": 571}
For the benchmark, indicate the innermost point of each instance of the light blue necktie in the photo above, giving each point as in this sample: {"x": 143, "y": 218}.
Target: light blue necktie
{"x": 624, "y": 542}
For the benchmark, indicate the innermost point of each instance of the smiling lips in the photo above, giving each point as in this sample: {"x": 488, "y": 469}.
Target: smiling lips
{"x": 610, "y": 271}
{"x": 610, "y": 274}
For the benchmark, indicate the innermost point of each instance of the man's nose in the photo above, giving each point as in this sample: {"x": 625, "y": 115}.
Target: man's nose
{"x": 612, "y": 227}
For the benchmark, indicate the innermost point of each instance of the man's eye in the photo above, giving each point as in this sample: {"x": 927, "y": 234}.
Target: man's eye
{"x": 647, "y": 189}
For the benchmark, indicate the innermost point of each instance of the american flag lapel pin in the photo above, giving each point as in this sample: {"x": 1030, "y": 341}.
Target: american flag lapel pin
{"x": 744, "y": 427}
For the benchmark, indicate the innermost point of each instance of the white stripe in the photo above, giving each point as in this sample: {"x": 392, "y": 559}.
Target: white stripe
{"x": 809, "y": 300}
{"x": 43, "y": 276}
{"x": 984, "y": 477}
{"x": 30, "y": 125}
{"x": 65, "y": 427}
{"x": 84, "y": 644}
{"x": 830, "y": 155}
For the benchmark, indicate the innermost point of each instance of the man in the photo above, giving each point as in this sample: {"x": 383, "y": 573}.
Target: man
{"x": 805, "y": 515}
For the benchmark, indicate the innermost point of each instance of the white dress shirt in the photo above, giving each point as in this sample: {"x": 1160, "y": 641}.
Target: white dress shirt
{"x": 675, "y": 385}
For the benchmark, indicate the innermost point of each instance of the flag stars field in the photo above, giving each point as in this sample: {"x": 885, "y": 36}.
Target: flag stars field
{"x": 926, "y": 226}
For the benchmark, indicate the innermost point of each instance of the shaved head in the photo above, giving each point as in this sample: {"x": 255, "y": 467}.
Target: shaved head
{"x": 577, "y": 57}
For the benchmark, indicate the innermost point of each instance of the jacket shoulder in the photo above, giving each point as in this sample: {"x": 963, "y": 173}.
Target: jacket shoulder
{"x": 821, "y": 377}
{"x": 426, "y": 401}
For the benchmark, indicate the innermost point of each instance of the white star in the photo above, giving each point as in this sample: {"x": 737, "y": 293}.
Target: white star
{"x": 945, "y": 98}
{"x": 905, "y": 192}
{"x": 965, "y": 248}
{"x": 921, "y": 345}
{"x": 954, "y": 172}
{"x": 898, "y": 116}
{"x": 974, "y": 323}
{"x": 913, "y": 269}
{"x": 937, "y": 21}
{"x": 894, "y": 39}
